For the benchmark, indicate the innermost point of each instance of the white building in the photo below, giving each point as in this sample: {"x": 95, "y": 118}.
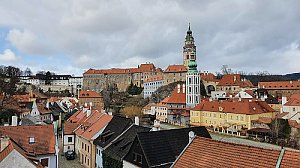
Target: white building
{"x": 193, "y": 96}
{"x": 152, "y": 84}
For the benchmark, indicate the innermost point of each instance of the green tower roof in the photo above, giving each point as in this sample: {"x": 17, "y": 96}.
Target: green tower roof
{"x": 192, "y": 66}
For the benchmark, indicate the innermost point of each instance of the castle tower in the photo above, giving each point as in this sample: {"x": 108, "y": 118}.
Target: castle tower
{"x": 193, "y": 95}
{"x": 189, "y": 48}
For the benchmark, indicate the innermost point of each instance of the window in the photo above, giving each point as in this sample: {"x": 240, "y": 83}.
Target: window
{"x": 242, "y": 118}
{"x": 215, "y": 115}
{"x": 294, "y": 109}
{"x": 70, "y": 139}
{"x": 44, "y": 162}
{"x": 220, "y": 115}
{"x": 88, "y": 149}
{"x": 237, "y": 117}
{"x": 31, "y": 140}
{"x": 137, "y": 158}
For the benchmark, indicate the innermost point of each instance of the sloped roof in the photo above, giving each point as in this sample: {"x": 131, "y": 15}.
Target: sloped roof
{"x": 162, "y": 147}
{"x": 142, "y": 68}
{"x": 204, "y": 152}
{"x": 234, "y": 80}
{"x": 121, "y": 146}
{"x": 175, "y": 68}
{"x": 240, "y": 107}
{"x": 43, "y": 135}
{"x": 115, "y": 127}
{"x": 290, "y": 159}
{"x": 293, "y": 102}
{"x": 89, "y": 94}
{"x": 102, "y": 121}
{"x": 208, "y": 77}
{"x": 280, "y": 85}
{"x": 13, "y": 146}
{"x": 154, "y": 78}
{"x": 177, "y": 97}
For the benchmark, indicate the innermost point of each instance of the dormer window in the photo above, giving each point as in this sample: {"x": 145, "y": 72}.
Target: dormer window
{"x": 31, "y": 140}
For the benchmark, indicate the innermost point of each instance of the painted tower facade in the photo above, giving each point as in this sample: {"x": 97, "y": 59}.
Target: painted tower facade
{"x": 193, "y": 96}
{"x": 189, "y": 48}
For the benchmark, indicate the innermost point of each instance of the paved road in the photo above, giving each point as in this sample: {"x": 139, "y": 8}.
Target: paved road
{"x": 64, "y": 163}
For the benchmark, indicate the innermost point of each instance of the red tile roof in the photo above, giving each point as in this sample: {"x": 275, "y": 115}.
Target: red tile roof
{"x": 293, "y": 123}
{"x": 101, "y": 122}
{"x": 293, "y": 102}
{"x": 154, "y": 78}
{"x": 140, "y": 69}
{"x": 89, "y": 94}
{"x": 254, "y": 107}
{"x": 203, "y": 152}
{"x": 43, "y": 135}
{"x": 177, "y": 97}
{"x": 282, "y": 114}
{"x": 175, "y": 68}
{"x": 69, "y": 127}
{"x": 291, "y": 159}
{"x": 11, "y": 146}
{"x": 295, "y": 96}
{"x": 208, "y": 77}
{"x": 280, "y": 85}
{"x": 234, "y": 80}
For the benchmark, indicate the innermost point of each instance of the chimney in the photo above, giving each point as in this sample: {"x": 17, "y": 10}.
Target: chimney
{"x": 157, "y": 125}
{"x": 88, "y": 112}
{"x": 234, "y": 78}
{"x": 178, "y": 88}
{"x": 47, "y": 105}
{"x": 283, "y": 100}
{"x": 183, "y": 88}
{"x": 4, "y": 141}
{"x": 291, "y": 82}
{"x": 136, "y": 120}
{"x": 191, "y": 136}
{"x": 110, "y": 113}
{"x": 14, "y": 120}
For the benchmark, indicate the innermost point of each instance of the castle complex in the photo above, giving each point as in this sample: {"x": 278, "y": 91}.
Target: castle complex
{"x": 98, "y": 80}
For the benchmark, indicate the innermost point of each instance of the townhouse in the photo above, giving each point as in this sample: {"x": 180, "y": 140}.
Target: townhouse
{"x": 233, "y": 83}
{"x": 232, "y": 116}
{"x": 91, "y": 98}
{"x": 280, "y": 88}
{"x": 39, "y": 142}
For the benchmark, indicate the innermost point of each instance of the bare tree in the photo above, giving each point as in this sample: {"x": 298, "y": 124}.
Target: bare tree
{"x": 226, "y": 70}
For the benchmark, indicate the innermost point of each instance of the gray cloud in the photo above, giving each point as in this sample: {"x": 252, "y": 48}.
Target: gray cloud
{"x": 246, "y": 35}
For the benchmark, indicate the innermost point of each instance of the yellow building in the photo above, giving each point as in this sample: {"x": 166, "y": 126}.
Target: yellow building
{"x": 233, "y": 117}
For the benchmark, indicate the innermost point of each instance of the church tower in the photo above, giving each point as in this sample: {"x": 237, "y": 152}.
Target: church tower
{"x": 193, "y": 96}
{"x": 189, "y": 48}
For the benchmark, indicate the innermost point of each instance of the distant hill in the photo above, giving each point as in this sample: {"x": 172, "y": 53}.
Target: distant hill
{"x": 270, "y": 78}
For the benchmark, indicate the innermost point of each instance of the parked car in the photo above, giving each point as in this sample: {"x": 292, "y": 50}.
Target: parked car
{"x": 70, "y": 155}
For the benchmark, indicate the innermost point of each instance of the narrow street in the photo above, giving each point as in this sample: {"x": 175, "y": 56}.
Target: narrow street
{"x": 63, "y": 162}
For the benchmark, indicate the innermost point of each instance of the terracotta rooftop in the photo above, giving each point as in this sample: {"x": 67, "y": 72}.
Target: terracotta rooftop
{"x": 13, "y": 146}
{"x": 178, "y": 96}
{"x": 175, "y": 68}
{"x": 69, "y": 127}
{"x": 208, "y": 77}
{"x": 235, "y": 80}
{"x": 280, "y": 85}
{"x": 89, "y": 94}
{"x": 154, "y": 78}
{"x": 253, "y": 107}
{"x": 141, "y": 68}
{"x": 101, "y": 122}
{"x": 293, "y": 102}
{"x": 43, "y": 136}
{"x": 204, "y": 152}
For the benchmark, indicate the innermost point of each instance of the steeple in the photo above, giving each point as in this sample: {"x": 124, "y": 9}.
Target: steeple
{"x": 189, "y": 48}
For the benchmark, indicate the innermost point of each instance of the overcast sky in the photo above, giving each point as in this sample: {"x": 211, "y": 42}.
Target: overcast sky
{"x": 68, "y": 37}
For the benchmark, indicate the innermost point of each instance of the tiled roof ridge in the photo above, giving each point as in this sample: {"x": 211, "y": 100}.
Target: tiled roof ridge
{"x": 235, "y": 144}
